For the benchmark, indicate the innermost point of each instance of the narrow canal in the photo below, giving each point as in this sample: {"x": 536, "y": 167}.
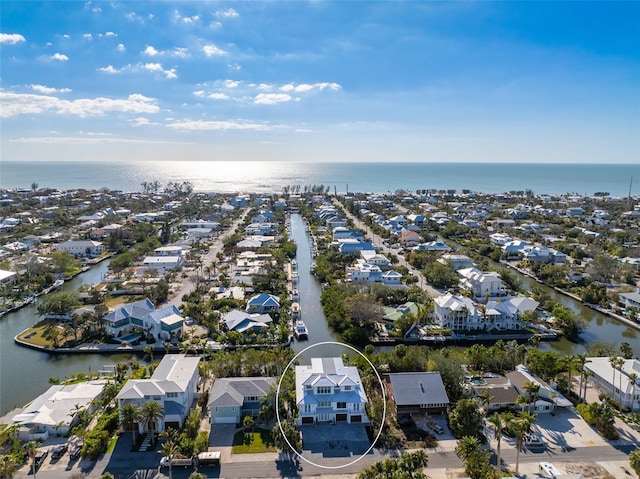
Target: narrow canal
{"x": 310, "y": 291}
{"x": 25, "y": 373}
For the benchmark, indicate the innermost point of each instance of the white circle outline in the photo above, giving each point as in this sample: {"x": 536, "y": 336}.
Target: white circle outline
{"x": 384, "y": 407}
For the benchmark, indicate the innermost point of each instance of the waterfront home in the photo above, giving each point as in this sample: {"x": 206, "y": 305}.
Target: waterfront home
{"x": 391, "y": 278}
{"x": 391, "y": 315}
{"x": 353, "y": 246}
{"x": 263, "y": 303}
{"x": 542, "y": 254}
{"x": 499, "y": 239}
{"x": 617, "y": 382}
{"x": 81, "y": 248}
{"x": 266, "y": 229}
{"x": 548, "y": 399}
{"x": 231, "y": 399}
{"x": 410, "y": 238}
{"x": 170, "y": 250}
{"x": 342, "y": 232}
{"x": 457, "y": 261}
{"x": 627, "y": 300}
{"x": 437, "y": 245}
{"x": 174, "y": 384}
{"x": 364, "y": 272}
{"x": 371, "y": 257}
{"x": 7, "y": 277}
{"x": 248, "y": 244}
{"x": 456, "y": 313}
{"x": 245, "y": 323}
{"x": 514, "y": 247}
{"x": 200, "y": 224}
{"x": 505, "y": 315}
{"x": 163, "y": 324}
{"x": 55, "y": 411}
{"x": 482, "y": 284}
{"x": 163, "y": 264}
{"x": 329, "y": 391}
{"x": 418, "y": 393}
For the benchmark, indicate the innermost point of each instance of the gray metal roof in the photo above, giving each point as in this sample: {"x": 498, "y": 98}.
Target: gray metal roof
{"x": 418, "y": 388}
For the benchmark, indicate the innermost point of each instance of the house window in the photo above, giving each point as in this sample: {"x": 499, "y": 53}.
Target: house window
{"x": 342, "y": 405}
{"x": 307, "y": 408}
{"x": 324, "y": 403}
{"x": 347, "y": 388}
{"x": 356, "y": 406}
{"x": 308, "y": 386}
{"x": 324, "y": 389}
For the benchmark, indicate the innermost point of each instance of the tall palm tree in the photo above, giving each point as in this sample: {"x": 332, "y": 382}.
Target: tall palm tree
{"x": 619, "y": 366}
{"x": 129, "y": 415}
{"x": 467, "y": 446}
{"x": 485, "y": 398}
{"x": 499, "y": 423}
{"x": 151, "y": 412}
{"x": 170, "y": 447}
{"x": 533, "y": 390}
{"x": 582, "y": 360}
{"x": 587, "y": 374}
{"x": 31, "y": 448}
{"x": 613, "y": 361}
{"x": 521, "y": 425}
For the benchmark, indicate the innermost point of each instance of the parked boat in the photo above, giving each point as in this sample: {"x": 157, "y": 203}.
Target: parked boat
{"x": 295, "y": 310}
{"x": 300, "y": 330}
{"x": 295, "y": 295}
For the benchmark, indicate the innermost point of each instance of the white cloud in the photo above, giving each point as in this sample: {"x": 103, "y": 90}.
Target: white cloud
{"x": 87, "y": 36}
{"x": 110, "y": 34}
{"x": 271, "y": 98}
{"x": 66, "y": 36}
{"x": 219, "y": 96}
{"x": 90, "y": 140}
{"x": 231, "y": 83}
{"x": 228, "y": 13}
{"x": 142, "y": 121}
{"x": 212, "y": 50}
{"x": 180, "y": 52}
{"x": 307, "y": 87}
{"x": 11, "y": 38}
{"x": 108, "y": 69}
{"x": 234, "y": 67}
{"x": 264, "y": 87}
{"x": 215, "y": 25}
{"x": 121, "y": 47}
{"x": 218, "y": 125}
{"x": 199, "y": 93}
{"x": 192, "y": 19}
{"x": 96, "y": 10}
{"x": 14, "y": 104}
{"x": 152, "y": 52}
{"x": 157, "y": 67}
{"x": 59, "y": 57}
{"x": 48, "y": 90}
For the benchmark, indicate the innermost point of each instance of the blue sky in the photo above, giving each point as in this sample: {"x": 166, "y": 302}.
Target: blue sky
{"x": 321, "y": 81}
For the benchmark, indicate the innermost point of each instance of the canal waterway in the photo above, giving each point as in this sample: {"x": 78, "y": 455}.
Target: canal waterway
{"x": 25, "y": 373}
{"x": 310, "y": 291}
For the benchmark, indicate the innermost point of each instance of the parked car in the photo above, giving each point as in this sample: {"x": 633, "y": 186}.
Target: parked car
{"x": 58, "y": 451}
{"x": 41, "y": 455}
{"x": 177, "y": 462}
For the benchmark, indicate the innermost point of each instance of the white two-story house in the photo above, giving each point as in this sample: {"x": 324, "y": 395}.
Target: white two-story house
{"x": 483, "y": 284}
{"x": 329, "y": 391}
{"x": 174, "y": 384}
{"x": 456, "y": 313}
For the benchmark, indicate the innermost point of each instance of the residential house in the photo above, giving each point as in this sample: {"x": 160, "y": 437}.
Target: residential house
{"x": 342, "y": 232}
{"x": 456, "y": 313}
{"x": 457, "y": 261}
{"x": 353, "y": 246}
{"x": 371, "y": 257}
{"x": 163, "y": 264}
{"x": 542, "y": 254}
{"x": 7, "y": 277}
{"x": 81, "y": 248}
{"x": 514, "y": 247}
{"x": 174, "y": 384}
{"x": 617, "y": 383}
{"x": 231, "y": 399}
{"x": 391, "y": 315}
{"x": 266, "y": 229}
{"x": 437, "y": 245}
{"x": 482, "y": 284}
{"x": 171, "y": 250}
{"x": 418, "y": 393}
{"x": 263, "y": 303}
{"x": 245, "y": 323}
{"x": 499, "y": 238}
{"x": 505, "y": 315}
{"x": 163, "y": 324}
{"x": 630, "y": 300}
{"x": 391, "y": 278}
{"x": 54, "y": 411}
{"x": 329, "y": 391}
{"x": 410, "y": 238}
{"x": 364, "y": 272}
{"x": 502, "y": 394}
{"x": 548, "y": 398}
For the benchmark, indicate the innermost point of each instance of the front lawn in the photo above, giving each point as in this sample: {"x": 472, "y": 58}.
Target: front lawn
{"x": 256, "y": 441}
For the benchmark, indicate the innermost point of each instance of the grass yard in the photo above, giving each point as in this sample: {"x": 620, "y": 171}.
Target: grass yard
{"x": 257, "y": 441}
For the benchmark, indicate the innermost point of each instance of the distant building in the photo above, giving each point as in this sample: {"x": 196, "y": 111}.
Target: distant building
{"x": 81, "y": 248}
{"x": 418, "y": 393}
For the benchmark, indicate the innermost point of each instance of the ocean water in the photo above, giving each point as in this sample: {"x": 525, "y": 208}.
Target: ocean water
{"x": 257, "y": 176}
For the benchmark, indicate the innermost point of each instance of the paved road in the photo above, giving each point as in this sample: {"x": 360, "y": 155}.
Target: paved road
{"x": 378, "y": 242}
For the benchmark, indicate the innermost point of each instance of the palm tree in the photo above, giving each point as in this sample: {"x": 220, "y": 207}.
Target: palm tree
{"x": 129, "y": 415}
{"x": 151, "y": 412}
{"x": 413, "y": 463}
{"x": 587, "y": 374}
{"x": 31, "y": 448}
{"x": 633, "y": 379}
{"x": 499, "y": 423}
{"x": 521, "y": 425}
{"x": 613, "y": 361}
{"x": 170, "y": 447}
{"x": 467, "y": 446}
{"x": 149, "y": 350}
{"x": 485, "y": 398}
{"x": 521, "y": 401}
{"x": 582, "y": 360}
{"x": 619, "y": 366}
{"x": 8, "y": 466}
{"x": 532, "y": 389}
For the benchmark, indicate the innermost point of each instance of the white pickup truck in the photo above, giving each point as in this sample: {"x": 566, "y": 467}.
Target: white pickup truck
{"x": 177, "y": 462}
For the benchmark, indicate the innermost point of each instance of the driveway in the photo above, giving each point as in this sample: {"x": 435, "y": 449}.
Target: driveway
{"x": 221, "y": 439}
{"x": 335, "y": 440}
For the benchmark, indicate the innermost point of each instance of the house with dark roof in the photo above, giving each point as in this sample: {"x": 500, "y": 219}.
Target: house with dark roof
{"x": 230, "y": 399}
{"x": 418, "y": 393}
{"x": 245, "y": 323}
{"x": 263, "y": 303}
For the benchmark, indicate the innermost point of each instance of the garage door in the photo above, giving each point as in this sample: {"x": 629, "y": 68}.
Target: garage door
{"x": 307, "y": 420}
{"x": 356, "y": 418}
{"x": 341, "y": 418}
{"x": 225, "y": 420}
